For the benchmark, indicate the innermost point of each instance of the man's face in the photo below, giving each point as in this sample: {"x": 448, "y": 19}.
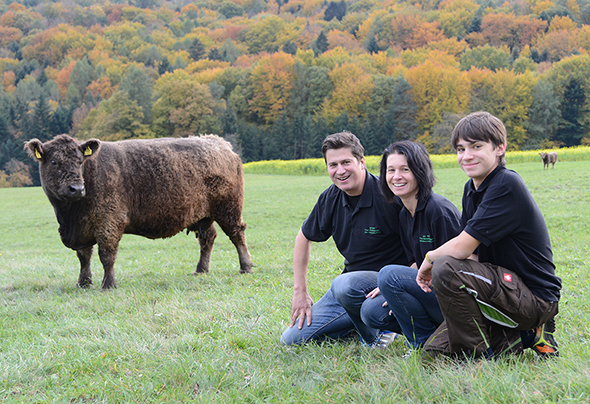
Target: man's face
{"x": 478, "y": 158}
{"x": 345, "y": 171}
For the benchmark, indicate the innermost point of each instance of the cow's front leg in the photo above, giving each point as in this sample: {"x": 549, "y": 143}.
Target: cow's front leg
{"x": 108, "y": 255}
{"x": 85, "y": 256}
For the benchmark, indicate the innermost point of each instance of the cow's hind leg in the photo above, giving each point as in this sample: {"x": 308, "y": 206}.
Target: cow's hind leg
{"x": 235, "y": 228}
{"x": 206, "y": 234}
{"x": 85, "y": 256}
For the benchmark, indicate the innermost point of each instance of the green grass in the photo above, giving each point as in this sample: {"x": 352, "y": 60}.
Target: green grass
{"x": 166, "y": 336}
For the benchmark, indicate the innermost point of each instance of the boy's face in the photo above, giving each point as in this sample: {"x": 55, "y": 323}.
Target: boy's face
{"x": 345, "y": 171}
{"x": 478, "y": 158}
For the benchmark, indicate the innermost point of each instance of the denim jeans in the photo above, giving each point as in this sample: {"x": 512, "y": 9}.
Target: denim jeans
{"x": 417, "y": 312}
{"x": 367, "y": 314}
{"x": 328, "y": 321}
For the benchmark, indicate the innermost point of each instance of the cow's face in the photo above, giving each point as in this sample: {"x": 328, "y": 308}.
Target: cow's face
{"x": 61, "y": 165}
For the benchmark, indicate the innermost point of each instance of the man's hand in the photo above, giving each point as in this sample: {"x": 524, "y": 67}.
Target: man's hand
{"x": 301, "y": 308}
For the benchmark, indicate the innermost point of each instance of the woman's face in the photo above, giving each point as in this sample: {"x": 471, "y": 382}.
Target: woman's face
{"x": 400, "y": 178}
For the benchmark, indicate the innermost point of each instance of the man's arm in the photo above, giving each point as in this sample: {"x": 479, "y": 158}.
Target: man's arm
{"x": 302, "y": 302}
{"x": 460, "y": 247}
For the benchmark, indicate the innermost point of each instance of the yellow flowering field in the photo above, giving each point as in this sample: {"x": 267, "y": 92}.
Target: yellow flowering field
{"x": 318, "y": 167}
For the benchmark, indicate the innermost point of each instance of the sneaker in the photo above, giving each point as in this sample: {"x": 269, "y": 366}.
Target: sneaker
{"x": 408, "y": 353}
{"x": 544, "y": 342}
{"x": 384, "y": 340}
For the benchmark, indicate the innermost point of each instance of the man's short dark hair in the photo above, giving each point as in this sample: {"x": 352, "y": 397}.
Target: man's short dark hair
{"x": 344, "y": 140}
{"x": 418, "y": 162}
{"x": 480, "y": 126}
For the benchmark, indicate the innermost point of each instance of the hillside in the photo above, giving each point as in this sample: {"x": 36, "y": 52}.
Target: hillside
{"x": 274, "y": 77}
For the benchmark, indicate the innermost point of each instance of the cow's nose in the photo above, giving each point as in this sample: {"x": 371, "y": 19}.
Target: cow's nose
{"x": 76, "y": 191}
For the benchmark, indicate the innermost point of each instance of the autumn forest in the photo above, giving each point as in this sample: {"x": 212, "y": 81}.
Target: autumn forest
{"x": 274, "y": 77}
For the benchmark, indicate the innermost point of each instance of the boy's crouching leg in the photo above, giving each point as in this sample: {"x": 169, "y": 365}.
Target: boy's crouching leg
{"x": 466, "y": 327}
{"x": 438, "y": 343}
{"x": 442, "y": 283}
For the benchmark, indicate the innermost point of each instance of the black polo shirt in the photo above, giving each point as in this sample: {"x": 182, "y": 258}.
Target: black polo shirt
{"x": 435, "y": 221}
{"x": 366, "y": 235}
{"x": 503, "y": 216}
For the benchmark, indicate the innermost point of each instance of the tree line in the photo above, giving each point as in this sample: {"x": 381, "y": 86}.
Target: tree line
{"x": 275, "y": 77}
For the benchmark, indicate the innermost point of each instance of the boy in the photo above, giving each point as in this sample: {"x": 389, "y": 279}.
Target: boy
{"x": 505, "y": 298}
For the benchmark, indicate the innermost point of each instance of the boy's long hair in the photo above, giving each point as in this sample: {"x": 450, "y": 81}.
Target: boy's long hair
{"x": 481, "y": 126}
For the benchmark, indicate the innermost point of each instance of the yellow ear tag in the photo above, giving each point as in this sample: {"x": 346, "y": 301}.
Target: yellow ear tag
{"x": 88, "y": 151}
{"x": 37, "y": 154}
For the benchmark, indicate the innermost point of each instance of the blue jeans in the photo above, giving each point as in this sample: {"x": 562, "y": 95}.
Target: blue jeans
{"x": 368, "y": 315}
{"x": 328, "y": 321}
{"x": 416, "y": 311}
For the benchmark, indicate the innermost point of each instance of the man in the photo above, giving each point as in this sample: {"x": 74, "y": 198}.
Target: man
{"x": 506, "y": 299}
{"x": 365, "y": 229}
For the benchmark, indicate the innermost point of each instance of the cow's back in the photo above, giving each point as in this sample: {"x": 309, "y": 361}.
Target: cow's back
{"x": 161, "y": 186}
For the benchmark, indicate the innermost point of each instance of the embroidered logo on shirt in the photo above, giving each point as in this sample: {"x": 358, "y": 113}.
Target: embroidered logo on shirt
{"x": 507, "y": 277}
{"x": 372, "y": 230}
{"x": 427, "y": 238}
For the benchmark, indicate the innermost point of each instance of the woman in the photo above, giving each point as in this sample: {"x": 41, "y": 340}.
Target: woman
{"x": 427, "y": 220}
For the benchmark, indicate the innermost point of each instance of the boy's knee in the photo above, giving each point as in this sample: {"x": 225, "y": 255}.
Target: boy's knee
{"x": 443, "y": 271}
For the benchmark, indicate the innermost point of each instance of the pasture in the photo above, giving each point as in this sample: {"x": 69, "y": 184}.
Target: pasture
{"x": 166, "y": 336}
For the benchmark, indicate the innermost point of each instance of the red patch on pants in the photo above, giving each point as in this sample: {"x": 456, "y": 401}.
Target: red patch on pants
{"x": 507, "y": 277}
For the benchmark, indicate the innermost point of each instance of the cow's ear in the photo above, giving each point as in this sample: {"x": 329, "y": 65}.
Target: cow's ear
{"x": 90, "y": 147}
{"x": 34, "y": 148}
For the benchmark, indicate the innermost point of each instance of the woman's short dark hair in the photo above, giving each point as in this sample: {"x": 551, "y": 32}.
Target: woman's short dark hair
{"x": 481, "y": 126}
{"x": 418, "y": 162}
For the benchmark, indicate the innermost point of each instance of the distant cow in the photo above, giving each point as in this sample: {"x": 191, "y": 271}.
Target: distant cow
{"x": 549, "y": 158}
{"x": 153, "y": 188}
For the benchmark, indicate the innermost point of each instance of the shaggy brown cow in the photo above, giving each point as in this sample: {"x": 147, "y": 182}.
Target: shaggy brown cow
{"x": 153, "y": 188}
{"x": 549, "y": 158}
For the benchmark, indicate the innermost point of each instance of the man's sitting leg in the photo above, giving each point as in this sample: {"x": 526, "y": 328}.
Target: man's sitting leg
{"x": 328, "y": 321}
{"x": 350, "y": 291}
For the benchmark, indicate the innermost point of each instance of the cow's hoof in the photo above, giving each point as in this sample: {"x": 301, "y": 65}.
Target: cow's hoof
{"x": 109, "y": 285}
{"x": 85, "y": 284}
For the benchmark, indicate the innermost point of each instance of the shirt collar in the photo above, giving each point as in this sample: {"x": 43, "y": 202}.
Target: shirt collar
{"x": 421, "y": 205}
{"x": 485, "y": 182}
{"x": 366, "y": 199}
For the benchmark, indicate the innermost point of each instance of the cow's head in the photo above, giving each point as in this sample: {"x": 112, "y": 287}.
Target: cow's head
{"x": 61, "y": 165}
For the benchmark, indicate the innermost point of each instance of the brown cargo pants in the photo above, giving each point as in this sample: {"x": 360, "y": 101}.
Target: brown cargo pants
{"x": 485, "y": 307}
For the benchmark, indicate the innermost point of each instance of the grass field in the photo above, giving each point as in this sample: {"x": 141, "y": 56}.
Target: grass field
{"x": 166, "y": 336}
